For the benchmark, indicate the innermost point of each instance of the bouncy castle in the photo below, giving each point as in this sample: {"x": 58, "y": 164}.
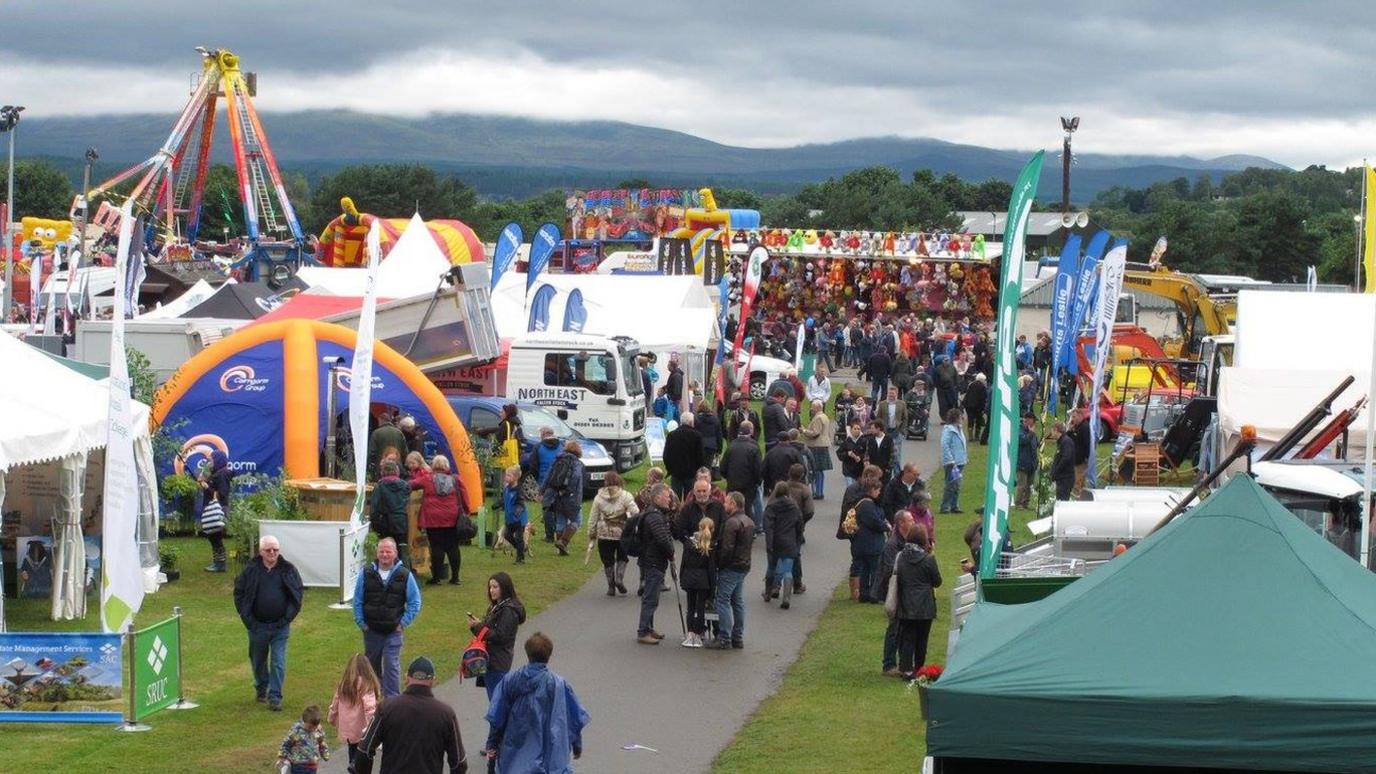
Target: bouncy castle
{"x": 341, "y": 243}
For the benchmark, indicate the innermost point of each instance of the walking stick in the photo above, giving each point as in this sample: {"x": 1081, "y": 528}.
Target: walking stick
{"x": 673, "y": 573}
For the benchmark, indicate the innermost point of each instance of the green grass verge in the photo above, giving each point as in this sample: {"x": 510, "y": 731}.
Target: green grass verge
{"x": 834, "y": 710}
{"x": 230, "y": 732}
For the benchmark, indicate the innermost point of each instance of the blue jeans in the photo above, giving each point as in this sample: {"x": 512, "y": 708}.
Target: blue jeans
{"x": 731, "y": 605}
{"x": 649, "y": 601}
{"x": 950, "y": 495}
{"x": 491, "y": 680}
{"x": 824, "y": 355}
{"x": 384, "y": 653}
{"x": 879, "y": 389}
{"x": 268, "y": 643}
{"x": 757, "y": 512}
{"x": 783, "y": 569}
{"x": 563, "y": 521}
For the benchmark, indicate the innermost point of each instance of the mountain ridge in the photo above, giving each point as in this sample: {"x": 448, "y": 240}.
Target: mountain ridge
{"x": 592, "y": 153}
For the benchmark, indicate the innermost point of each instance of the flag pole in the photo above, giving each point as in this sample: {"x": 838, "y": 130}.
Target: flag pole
{"x": 1370, "y": 441}
{"x": 1361, "y": 231}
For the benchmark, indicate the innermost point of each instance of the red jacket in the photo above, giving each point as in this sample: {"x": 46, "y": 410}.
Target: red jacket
{"x": 436, "y": 510}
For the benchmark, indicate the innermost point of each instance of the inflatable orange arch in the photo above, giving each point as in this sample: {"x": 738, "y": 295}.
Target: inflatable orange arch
{"x": 301, "y": 393}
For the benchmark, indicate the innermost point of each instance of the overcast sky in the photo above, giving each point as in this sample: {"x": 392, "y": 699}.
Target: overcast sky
{"x": 1295, "y": 82}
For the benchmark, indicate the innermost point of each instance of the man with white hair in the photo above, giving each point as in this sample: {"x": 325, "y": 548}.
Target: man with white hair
{"x": 268, "y": 595}
{"x": 683, "y": 454}
{"x": 414, "y": 435}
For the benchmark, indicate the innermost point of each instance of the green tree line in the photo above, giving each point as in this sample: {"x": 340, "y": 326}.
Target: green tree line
{"x": 1265, "y": 223}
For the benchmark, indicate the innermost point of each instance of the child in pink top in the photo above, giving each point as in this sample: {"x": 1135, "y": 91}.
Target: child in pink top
{"x": 355, "y": 700}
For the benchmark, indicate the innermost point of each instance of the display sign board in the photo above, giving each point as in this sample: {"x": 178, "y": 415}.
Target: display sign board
{"x": 60, "y": 677}
{"x": 353, "y": 555}
{"x": 157, "y": 668}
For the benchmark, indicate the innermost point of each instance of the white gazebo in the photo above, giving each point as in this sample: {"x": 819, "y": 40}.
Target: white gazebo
{"x": 53, "y": 424}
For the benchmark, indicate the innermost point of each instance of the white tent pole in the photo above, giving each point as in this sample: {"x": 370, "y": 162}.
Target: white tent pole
{"x": 1370, "y": 431}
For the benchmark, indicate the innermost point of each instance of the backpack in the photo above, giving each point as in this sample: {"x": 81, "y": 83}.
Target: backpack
{"x": 474, "y": 660}
{"x": 558, "y": 479}
{"x": 631, "y": 541}
{"x": 443, "y": 483}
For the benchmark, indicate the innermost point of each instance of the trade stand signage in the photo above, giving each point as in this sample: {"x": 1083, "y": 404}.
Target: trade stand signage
{"x": 157, "y": 665}
{"x": 66, "y": 677}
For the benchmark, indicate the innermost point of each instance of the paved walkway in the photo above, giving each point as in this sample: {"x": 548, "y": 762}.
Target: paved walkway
{"x": 685, "y": 704}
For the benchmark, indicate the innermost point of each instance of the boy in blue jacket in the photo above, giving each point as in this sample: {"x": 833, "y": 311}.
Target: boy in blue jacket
{"x": 514, "y": 509}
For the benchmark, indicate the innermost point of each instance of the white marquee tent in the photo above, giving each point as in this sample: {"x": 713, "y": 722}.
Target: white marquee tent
{"x": 52, "y": 424}
{"x": 1292, "y": 350}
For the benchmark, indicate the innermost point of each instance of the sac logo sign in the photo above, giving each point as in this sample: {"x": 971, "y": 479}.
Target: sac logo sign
{"x": 197, "y": 450}
{"x": 242, "y": 377}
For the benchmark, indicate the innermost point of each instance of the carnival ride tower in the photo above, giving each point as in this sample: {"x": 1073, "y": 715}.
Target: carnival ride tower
{"x": 171, "y": 183}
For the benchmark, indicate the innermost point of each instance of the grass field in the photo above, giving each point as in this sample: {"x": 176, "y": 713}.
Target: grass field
{"x": 834, "y": 710}
{"x": 230, "y": 731}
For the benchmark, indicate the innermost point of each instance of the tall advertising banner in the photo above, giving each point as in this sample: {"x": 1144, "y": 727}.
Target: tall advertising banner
{"x": 508, "y": 243}
{"x": 575, "y": 313}
{"x": 61, "y": 677}
{"x": 1067, "y": 271}
{"x": 541, "y": 248}
{"x": 1003, "y": 417}
{"x": 539, "y": 308}
{"x": 723, "y": 303}
{"x": 1110, "y": 287}
{"x": 361, "y": 374}
{"x": 1085, "y": 285}
{"x": 754, "y": 267}
{"x": 1369, "y": 228}
{"x": 122, "y": 591}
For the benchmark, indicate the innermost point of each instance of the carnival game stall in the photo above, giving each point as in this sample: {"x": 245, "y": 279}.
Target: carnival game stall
{"x": 53, "y": 425}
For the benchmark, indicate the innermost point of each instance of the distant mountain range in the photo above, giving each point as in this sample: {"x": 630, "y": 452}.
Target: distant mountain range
{"x": 505, "y": 156}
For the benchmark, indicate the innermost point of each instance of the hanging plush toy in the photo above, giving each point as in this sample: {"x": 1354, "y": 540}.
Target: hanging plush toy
{"x": 739, "y": 238}
{"x": 810, "y": 238}
{"x": 827, "y": 240}
{"x": 852, "y": 242}
{"x": 809, "y": 273}
{"x": 979, "y": 246}
{"x": 890, "y": 243}
{"x": 920, "y": 248}
{"x": 795, "y": 241}
{"x": 836, "y": 275}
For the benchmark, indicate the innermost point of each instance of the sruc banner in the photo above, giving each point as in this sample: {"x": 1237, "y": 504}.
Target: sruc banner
{"x": 66, "y": 677}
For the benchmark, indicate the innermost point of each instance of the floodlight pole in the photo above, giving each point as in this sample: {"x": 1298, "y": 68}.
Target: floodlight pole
{"x": 9, "y": 122}
{"x": 1069, "y": 125}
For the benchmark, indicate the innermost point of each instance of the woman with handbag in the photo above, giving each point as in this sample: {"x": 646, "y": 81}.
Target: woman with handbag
{"x": 506, "y": 437}
{"x": 912, "y": 598}
{"x": 606, "y": 518}
{"x": 442, "y": 507}
{"x": 216, "y": 482}
{"x": 504, "y": 615}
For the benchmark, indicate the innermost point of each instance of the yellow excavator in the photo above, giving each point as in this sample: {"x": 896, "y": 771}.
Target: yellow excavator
{"x": 1205, "y": 304}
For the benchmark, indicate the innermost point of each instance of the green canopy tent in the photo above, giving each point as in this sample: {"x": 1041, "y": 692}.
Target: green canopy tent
{"x": 1235, "y": 638}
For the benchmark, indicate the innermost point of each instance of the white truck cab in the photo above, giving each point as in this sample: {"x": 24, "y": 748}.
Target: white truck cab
{"x": 591, "y": 382}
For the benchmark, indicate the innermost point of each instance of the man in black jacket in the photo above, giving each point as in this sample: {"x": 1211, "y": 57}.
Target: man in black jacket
{"x": 1079, "y": 432}
{"x": 733, "y": 564}
{"x": 778, "y": 460}
{"x": 898, "y": 493}
{"x": 892, "y": 546}
{"x": 741, "y": 465}
{"x": 740, "y": 415}
{"x": 879, "y": 448}
{"x": 674, "y": 386}
{"x": 976, "y": 405}
{"x": 709, "y": 427}
{"x": 268, "y": 596}
{"x": 1028, "y": 448}
{"x": 1063, "y": 465}
{"x": 416, "y": 731}
{"x": 657, "y": 552}
{"x": 775, "y": 419}
{"x": 879, "y": 368}
{"x": 683, "y": 454}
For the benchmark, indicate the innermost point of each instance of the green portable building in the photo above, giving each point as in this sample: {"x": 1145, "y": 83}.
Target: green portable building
{"x": 1235, "y": 638}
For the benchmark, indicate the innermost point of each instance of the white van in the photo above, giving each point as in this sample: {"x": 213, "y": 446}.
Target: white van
{"x": 589, "y": 381}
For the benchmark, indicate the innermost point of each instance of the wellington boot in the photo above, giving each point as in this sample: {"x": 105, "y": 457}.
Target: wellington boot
{"x": 621, "y": 577}
{"x": 611, "y": 581}
{"x": 787, "y": 596}
{"x": 855, "y": 589}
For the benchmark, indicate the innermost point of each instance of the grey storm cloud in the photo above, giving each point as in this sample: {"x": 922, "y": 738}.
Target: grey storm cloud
{"x": 1240, "y": 58}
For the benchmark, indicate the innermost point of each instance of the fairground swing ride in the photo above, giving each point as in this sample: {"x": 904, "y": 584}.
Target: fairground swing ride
{"x": 171, "y": 183}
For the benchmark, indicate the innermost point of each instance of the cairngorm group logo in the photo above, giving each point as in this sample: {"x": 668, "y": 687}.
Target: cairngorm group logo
{"x": 242, "y": 377}
{"x": 196, "y": 452}
{"x": 343, "y": 380}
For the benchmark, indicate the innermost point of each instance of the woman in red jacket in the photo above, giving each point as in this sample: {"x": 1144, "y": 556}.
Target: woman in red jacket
{"x": 441, "y": 502}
